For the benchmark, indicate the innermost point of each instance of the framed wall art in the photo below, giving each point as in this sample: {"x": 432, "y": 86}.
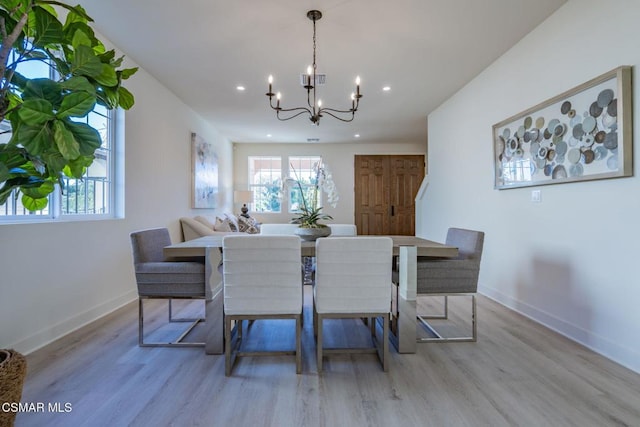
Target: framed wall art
{"x": 582, "y": 134}
{"x": 204, "y": 161}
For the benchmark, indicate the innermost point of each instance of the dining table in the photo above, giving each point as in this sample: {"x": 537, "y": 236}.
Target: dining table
{"x": 407, "y": 249}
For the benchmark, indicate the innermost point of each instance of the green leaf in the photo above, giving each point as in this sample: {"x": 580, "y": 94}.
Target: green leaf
{"x": 4, "y": 172}
{"x": 36, "y": 111}
{"x": 77, "y": 13}
{"x": 48, "y": 30}
{"x": 71, "y": 29}
{"x": 76, "y": 168}
{"x": 125, "y": 98}
{"x": 78, "y": 83}
{"x": 36, "y": 139}
{"x": 80, "y": 38}
{"x": 43, "y": 190}
{"x": 108, "y": 56}
{"x": 62, "y": 66}
{"x": 107, "y": 76}
{"x": 5, "y": 192}
{"x": 88, "y": 138}
{"x": 55, "y": 162}
{"x": 85, "y": 63}
{"x": 76, "y": 104}
{"x": 34, "y": 204}
{"x": 128, "y": 72}
{"x": 109, "y": 97}
{"x": 66, "y": 141}
{"x": 43, "y": 89}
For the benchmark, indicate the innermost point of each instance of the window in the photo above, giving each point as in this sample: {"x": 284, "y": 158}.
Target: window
{"x": 90, "y": 197}
{"x": 92, "y": 193}
{"x": 265, "y": 180}
{"x": 303, "y": 170}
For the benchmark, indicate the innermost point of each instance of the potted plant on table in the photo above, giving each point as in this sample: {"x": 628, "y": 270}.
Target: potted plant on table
{"x": 310, "y": 212}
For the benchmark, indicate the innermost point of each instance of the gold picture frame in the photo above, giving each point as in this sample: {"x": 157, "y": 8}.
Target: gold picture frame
{"x": 582, "y": 134}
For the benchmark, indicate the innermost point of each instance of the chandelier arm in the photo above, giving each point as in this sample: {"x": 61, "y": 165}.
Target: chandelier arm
{"x": 295, "y": 115}
{"x": 327, "y": 111}
{"x": 293, "y": 109}
{"x": 351, "y": 110}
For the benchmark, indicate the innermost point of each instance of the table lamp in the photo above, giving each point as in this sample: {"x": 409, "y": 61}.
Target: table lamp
{"x": 243, "y": 197}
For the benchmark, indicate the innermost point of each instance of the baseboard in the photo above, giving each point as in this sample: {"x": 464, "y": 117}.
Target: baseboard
{"x": 54, "y": 332}
{"x": 597, "y": 343}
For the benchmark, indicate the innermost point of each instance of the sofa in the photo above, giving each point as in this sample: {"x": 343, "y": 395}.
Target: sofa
{"x": 202, "y": 225}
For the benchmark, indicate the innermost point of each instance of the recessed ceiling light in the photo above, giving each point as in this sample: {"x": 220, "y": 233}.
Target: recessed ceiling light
{"x": 268, "y": 135}
{"x": 386, "y": 88}
{"x": 357, "y": 135}
{"x": 240, "y": 88}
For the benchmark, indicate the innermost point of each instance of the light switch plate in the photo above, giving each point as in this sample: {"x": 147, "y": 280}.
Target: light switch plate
{"x": 536, "y": 197}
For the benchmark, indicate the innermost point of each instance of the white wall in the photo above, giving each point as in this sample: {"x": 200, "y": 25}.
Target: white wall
{"x": 569, "y": 262}
{"x": 55, "y": 277}
{"x": 339, "y": 158}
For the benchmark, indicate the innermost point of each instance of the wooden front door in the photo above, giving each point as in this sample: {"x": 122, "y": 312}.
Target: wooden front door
{"x": 385, "y": 191}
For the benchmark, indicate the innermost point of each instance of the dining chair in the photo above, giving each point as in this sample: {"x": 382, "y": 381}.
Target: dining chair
{"x": 353, "y": 280}
{"x": 262, "y": 280}
{"x": 448, "y": 277}
{"x": 343, "y": 230}
{"x": 278, "y": 229}
{"x": 160, "y": 278}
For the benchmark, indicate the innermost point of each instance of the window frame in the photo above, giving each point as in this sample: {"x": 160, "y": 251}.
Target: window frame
{"x": 277, "y": 183}
{"x": 114, "y": 153}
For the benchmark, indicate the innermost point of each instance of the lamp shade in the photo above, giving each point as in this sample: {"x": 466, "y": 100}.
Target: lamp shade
{"x": 243, "y": 196}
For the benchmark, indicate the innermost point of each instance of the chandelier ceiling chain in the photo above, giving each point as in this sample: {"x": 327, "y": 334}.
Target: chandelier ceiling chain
{"x": 315, "y": 109}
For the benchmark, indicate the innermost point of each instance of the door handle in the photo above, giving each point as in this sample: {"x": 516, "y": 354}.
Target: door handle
{"x": 393, "y": 210}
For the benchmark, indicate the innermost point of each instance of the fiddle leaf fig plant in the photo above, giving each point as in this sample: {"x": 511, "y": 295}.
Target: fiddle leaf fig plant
{"x": 47, "y": 140}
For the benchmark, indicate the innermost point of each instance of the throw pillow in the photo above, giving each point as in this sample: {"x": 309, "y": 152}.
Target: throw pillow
{"x": 233, "y": 222}
{"x": 247, "y": 225}
{"x": 222, "y": 225}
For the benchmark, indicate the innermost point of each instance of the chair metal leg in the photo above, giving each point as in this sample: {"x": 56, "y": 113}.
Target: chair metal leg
{"x": 319, "y": 342}
{"x": 299, "y": 344}
{"x": 233, "y": 339}
{"x": 175, "y": 343}
{"x": 385, "y": 343}
{"x": 445, "y": 315}
{"x": 438, "y": 337}
{"x": 228, "y": 346}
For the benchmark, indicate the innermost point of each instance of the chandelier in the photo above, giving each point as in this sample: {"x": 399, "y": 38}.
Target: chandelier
{"x": 315, "y": 110}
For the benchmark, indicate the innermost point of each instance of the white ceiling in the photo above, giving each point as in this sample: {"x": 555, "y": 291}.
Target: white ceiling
{"x": 425, "y": 50}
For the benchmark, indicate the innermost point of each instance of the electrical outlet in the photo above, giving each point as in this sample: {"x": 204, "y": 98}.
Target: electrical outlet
{"x": 536, "y": 197}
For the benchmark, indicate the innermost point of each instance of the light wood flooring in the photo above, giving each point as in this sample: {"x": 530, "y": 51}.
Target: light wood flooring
{"x": 517, "y": 374}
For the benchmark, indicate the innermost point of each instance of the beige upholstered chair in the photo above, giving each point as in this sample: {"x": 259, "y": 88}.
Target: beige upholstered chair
{"x": 353, "y": 280}
{"x": 157, "y": 277}
{"x": 262, "y": 280}
{"x": 452, "y": 277}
